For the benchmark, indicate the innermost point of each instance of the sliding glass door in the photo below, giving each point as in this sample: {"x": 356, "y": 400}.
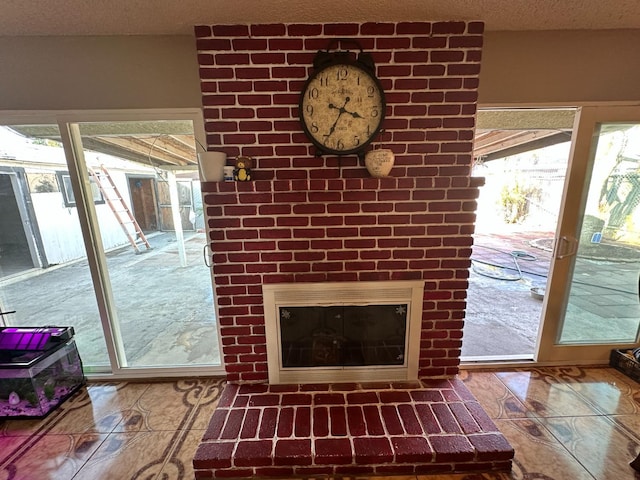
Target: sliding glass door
{"x": 45, "y": 277}
{"x": 127, "y": 199}
{"x": 162, "y": 304}
{"x": 522, "y": 156}
{"x": 593, "y": 303}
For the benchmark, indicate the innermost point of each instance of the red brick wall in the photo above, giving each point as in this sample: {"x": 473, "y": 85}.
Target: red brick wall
{"x": 313, "y": 219}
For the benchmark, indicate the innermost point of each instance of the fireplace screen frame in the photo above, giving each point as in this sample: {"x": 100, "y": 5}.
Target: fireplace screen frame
{"x": 276, "y": 296}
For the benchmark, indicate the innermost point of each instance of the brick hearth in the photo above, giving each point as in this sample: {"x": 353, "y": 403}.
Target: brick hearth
{"x": 405, "y": 428}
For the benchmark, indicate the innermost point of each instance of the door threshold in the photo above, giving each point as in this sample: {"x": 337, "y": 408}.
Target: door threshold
{"x": 469, "y": 363}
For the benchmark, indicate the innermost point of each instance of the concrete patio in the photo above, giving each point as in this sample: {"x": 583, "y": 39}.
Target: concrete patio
{"x": 165, "y": 311}
{"x": 503, "y": 316}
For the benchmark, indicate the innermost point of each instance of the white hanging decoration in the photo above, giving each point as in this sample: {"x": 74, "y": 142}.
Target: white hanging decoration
{"x": 379, "y": 162}
{"x": 212, "y": 166}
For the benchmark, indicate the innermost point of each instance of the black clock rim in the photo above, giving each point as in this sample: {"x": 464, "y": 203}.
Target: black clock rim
{"x": 376, "y": 80}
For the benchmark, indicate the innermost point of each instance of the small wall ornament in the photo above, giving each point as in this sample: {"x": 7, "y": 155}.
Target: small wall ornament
{"x": 242, "y": 170}
{"x": 379, "y": 162}
{"x": 211, "y": 166}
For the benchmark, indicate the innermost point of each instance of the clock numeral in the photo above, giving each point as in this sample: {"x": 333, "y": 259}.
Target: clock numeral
{"x": 314, "y": 127}
{"x": 342, "y": 74}
{"x": 339, "y": 145}
{"x": 370, "y": 91}
{"x": 314, "y": 93}
{"x": 309, "y": 110}
{"x": 375, "y": 112}
{"x": 324, "y": 81}
{"x": 356, "y": 140}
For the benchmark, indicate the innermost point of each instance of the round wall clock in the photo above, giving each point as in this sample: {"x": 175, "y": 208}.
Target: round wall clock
{"x": 342, "y": 105}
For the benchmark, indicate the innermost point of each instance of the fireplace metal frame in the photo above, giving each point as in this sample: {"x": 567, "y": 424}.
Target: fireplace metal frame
{"x": 410, "y": 292}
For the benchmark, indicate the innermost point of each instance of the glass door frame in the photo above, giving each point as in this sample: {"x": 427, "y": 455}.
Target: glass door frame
{"x": 68, "y": 124}
{"x": 584, "y": 140}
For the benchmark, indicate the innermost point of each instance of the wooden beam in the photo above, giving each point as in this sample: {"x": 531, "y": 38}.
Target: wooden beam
{"x": 533, "y": 143}
{"x": 157, "y": 150}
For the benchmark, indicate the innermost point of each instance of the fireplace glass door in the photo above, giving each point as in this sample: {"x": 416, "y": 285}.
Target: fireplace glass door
{"x": 343, "y": 335}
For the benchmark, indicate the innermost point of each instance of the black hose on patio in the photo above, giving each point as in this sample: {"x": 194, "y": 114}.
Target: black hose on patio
{"x": 515, "y": 256}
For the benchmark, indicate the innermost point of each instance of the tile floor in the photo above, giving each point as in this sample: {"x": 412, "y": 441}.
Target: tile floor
{"x": 564, "y": 423}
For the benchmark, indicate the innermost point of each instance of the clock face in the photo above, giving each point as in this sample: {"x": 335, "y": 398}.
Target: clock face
{"x": 342, "y": 108}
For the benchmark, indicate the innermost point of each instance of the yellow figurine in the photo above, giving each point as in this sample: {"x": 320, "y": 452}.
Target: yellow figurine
{"x": 242, "y": 171}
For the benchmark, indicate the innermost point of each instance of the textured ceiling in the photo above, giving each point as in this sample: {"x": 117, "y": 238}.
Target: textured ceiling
{"x": 171, "y": 17}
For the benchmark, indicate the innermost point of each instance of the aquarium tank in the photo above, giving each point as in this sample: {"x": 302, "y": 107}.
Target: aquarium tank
{"x": 39, "y": 369}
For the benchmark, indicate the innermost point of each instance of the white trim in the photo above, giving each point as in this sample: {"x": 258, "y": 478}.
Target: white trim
{"x": 343, "y": 293}
{"x": 180, "y": 371}
{"x": 526, "y": 364}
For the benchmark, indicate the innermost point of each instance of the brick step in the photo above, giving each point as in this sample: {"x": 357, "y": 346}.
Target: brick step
{"x": 407, "y": 428}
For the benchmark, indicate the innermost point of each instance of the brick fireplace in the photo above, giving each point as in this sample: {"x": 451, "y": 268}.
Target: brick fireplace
{"x": 307, "y": 218}
{"x": 318, "y": 219}
{"x": 336, "y": 332}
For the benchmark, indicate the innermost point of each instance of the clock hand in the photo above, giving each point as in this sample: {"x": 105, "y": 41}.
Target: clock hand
{"x": 333, "y": 127}
{"x": 341, "y": 110}
{"x": 344, "y": 110}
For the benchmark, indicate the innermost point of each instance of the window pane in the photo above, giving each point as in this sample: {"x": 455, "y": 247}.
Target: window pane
{"x": 162, "y": 292}
{"x": 603, "y": 303}
{"x": 44, "y": 274}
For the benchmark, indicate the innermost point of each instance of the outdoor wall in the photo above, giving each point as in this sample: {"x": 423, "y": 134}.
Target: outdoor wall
{"x": 320, "y": 219}
{"x": 43, "y": 167}
{"x": 59, "y": 224}
{"x": 12, "y": 234}
{"x": 543, "y": 67}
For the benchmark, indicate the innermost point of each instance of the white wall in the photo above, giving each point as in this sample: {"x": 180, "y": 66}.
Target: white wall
{"x": 560, "y": 67}
{"x": 59, "y": 228}
{"x": 67, "y": 73}
{"x": 542, "y": 67}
